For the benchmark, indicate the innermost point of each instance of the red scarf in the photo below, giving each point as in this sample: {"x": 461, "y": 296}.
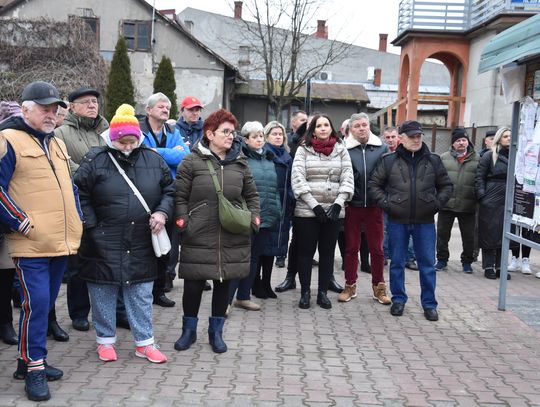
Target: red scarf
{"x": 324, "y": 146}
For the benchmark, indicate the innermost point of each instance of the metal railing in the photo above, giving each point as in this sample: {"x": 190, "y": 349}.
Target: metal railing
{"x": 456, "y": 15}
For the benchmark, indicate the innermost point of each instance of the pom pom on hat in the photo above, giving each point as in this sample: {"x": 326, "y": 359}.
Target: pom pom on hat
{"x": 124, "y": 123}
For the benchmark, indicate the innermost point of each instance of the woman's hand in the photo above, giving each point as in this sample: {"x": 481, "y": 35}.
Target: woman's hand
{"x": 157, "y": 222}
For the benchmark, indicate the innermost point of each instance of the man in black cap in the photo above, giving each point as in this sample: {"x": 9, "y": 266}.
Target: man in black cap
{"x": 460, "y": 163}
{"x": 41, "y": 208}
{"x": 411, "y": 185}
{"x": 488, "y": 141}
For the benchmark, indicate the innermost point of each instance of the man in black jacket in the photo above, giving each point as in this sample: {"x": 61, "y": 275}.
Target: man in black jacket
{"x": 411, "y": 185}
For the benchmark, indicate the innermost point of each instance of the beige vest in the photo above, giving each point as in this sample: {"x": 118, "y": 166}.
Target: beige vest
{"x": 46, "y": 196}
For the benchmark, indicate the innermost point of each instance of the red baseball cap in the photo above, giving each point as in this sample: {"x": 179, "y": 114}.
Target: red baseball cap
{"x": 190, "y": 102}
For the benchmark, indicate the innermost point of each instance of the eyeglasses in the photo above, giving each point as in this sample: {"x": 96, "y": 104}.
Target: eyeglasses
{"x": 227, "y": 132}
{"x": 87, "y": 102}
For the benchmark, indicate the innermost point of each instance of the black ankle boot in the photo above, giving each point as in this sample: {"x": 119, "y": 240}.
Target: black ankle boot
{"x": 8, "y": 334}
{"x": 323, "y": 301}
{"x": 288, "y": 284}
{"x": 57, "y": 332}
{"x": 334, "y": 286}
{"x": 305, "y": 300}
{"x": 189, "y": 333}
{"x": 265, "y": 282}
{"x": 258, "y": 290}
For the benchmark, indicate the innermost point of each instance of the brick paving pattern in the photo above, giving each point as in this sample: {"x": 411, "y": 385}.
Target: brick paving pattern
{"x": 355, "y": 354}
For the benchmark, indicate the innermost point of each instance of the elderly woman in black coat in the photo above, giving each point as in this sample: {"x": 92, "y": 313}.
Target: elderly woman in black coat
{"x": 490, "y": 186}
{"x": 116, "y": 249}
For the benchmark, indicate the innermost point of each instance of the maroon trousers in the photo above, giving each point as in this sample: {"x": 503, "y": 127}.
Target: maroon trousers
{"x": 372, "y": 221}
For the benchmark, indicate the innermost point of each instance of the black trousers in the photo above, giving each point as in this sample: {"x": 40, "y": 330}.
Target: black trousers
{"x": 193, "y": 290}
{"x": 6, "y": 282}
{"x": 467, "y": 222}
{"x": 491, "y": 258}
{"x": 312, "y": 235}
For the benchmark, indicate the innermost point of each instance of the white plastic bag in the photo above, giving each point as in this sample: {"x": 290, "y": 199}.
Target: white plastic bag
{"x": 161, "y": 243}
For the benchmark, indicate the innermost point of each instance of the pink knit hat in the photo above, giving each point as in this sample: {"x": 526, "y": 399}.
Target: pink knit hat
{"x": 124, "y": 123}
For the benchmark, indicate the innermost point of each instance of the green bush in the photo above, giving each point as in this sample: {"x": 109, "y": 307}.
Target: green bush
{"x": 164, "y": 82}
{"x": 120, "y": 87}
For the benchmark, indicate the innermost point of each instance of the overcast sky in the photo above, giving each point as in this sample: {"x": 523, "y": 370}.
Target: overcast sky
{"x": 355, "y": 21}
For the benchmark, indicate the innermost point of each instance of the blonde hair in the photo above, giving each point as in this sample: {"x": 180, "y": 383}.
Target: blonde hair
{"x": 276, "y": 125}
{"x": 496, "y": 146}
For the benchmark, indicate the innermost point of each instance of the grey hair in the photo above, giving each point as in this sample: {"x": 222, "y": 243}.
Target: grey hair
{"x": 358, "y": 116}
{"x": 155, "y": 98}
{"x": 273, "y": 125}
{"x": 29, "y": 104}
{"x": 251, "y": 127}
{"x": 496, "y": 146}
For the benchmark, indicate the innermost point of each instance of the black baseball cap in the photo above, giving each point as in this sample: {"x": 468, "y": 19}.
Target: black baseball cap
{"x": 411, "y": 128}
{"x": 43, "y": 93}
{"x": 82, "y": 92}
{"x": 490, "y": 133}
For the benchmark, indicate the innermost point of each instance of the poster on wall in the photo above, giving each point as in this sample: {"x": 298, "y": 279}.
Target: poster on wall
{"x": 536, "y": 85}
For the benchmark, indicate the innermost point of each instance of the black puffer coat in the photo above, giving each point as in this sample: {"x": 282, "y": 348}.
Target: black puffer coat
{"x": 208, "y": 251}
{"x": 490, "y": 186}
{"x": 116, "y": 246}
{"x": 410, "y": 187}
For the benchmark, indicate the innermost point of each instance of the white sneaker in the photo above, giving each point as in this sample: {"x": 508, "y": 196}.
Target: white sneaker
{"x": 525, "y": 267}
{"x": 537, "y": 275}
{"x": 515, "y": 264}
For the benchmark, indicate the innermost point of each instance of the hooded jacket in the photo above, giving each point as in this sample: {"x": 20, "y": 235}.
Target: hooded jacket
{"x": 116, "y": 247}
{"x": 208, "y": 250}
{"x": 462, "y": 175}
{"x": 411, "y": 187}
{"x": 364, "y": 157}
{"x": 80, "y": 134}
{"x": 171, "y": 147}
{"x": 191, "y": 133}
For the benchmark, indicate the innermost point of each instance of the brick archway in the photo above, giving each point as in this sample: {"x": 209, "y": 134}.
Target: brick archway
{"x": 453, "y": 51}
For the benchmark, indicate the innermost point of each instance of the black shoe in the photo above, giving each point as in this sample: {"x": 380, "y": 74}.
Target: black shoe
{"x": 207, "y": 286}
{"x": 498, "y": 274}
{"x": 323, "y": 301}
{"x": 411, "y": 265}
{"x": 288, "y": 284}
{"x": 431, "y": 314}
{"x": 8, "y": 334}
{"x": 81, "y": 324}
{"x": 163, "y": 301}
{"x": 314, "y": 262}
{"x": 490, "y": 274}
{"x": 36, "y": 386}
{"x": 305, "y": 300}
{"x": 280, "y": 262}
{"x": 168, "y": 286}
{"x": 57, "y": 332}
{"x": 269, "y": 292}
{"x": 397, "y": 309}
{"x": 122, "y": 322}
{"x": 52, "y": 373}
{"x": 258, "y": 290}
{"x": 16, "y": 298}
{"x": 365, "y": 268}
{"x": 334, "y": 286}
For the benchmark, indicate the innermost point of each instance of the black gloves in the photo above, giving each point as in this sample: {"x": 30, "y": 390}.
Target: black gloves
{"x": 333, "y": 212}
{"x": 320, "y": 214}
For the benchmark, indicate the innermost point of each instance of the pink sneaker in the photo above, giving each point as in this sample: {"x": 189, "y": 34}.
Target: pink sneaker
{"x": 107, "y": 353}
{"x": 150, "y": 352}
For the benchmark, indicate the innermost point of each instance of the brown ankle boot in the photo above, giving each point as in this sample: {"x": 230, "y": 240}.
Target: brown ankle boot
{"x": 379, "y": 294}
{"x": 348, "y": 293}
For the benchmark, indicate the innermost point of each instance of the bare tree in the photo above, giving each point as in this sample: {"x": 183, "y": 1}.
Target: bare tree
{"x": 282, "y": 49}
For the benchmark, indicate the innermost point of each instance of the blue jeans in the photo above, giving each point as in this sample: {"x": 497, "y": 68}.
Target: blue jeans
{"x": 410, "y": 249}
{"x": 138, "y": 302}
{"x": 424, "y": 238}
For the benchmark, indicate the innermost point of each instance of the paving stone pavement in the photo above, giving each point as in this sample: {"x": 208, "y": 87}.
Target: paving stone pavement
{"x": 355, "y": 354}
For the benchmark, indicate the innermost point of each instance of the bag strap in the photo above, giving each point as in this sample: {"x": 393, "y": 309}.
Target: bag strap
{"x": 214, "y": 177}
{"x": 131, "y": 185}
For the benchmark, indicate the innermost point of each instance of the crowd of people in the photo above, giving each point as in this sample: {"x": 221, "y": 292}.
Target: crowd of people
{"x": 86, "y": 198}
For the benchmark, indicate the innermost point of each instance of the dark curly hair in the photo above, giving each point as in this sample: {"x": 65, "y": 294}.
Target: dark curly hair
{"x": 215, "y": 119}
{"x": 308, "y": 137}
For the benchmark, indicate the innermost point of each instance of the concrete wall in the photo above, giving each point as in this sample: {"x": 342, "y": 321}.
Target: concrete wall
{"x": 484, "y": 102}
{"x": 197, "y": 72}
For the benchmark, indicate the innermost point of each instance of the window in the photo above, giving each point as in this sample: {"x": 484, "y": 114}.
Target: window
{"x": 137, "y": 35}
{"x": 243, "y": 55}
{"x": 93, "y": 24}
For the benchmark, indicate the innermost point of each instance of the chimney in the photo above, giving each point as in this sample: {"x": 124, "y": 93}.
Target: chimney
{"x": 322, "y": 29}
{"x": 238, "y": 10}
{"x": 377, "y": 77}
{"x": 382, "y": 42}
